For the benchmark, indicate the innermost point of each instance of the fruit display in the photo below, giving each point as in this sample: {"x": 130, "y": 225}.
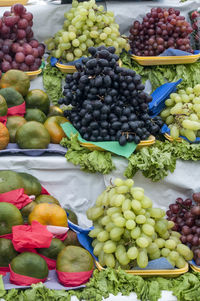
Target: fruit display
{"x": 128, "y": 231}
{"x": 30, "y": 264}
{"x": 18, "y": 48}
{"x": 86, "y": 25}
{"x": 182, "y": 113}
{"x": 186, "y": 216}
{"x": 108, "y": 102}
{"x": 74, "y": 259}
{"x": 195, "y": 18}
{"x": 160, "y": 29}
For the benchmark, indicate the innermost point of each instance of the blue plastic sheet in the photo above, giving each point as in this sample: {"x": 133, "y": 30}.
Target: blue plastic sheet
{"x": 177, "y": 52}
{"x": 54, "y": 60}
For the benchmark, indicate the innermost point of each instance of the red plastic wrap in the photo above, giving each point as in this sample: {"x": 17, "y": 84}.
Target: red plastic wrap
{"x": 44, "y": 191}
{"x": 23, "y": 280}
{"x": 4, "y": 270}
{"x": 3, "y": 119}
{"x": 74, "y": 279}
{"x": 7, "y": 236}
{"x": 16, "y": 197}
{"x": 26, "y": 237}
{"x": 19, "y": 110}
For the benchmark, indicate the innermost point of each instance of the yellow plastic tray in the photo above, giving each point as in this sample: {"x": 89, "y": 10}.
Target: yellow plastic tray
{"x": 12, "y": 2}
{"x": 148, "y": 142}
{"x": 165, "y": 60}
{"x": 168, "y": 137}
{"x": 166, "y": 273}
{"x": 66, "y": 68}
{"x": 194, "y": 268}
{"x": 33, "y": 74}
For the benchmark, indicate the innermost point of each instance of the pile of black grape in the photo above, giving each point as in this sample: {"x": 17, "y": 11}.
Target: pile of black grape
{"x": 108, "y": 102}
{"x": 186, "y": 217}
{"x": 160, "y": 29}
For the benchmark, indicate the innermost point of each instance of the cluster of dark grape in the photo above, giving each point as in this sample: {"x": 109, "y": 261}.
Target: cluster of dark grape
{"x": 186, "y": 217}
{"x": 159, "y": 30}
{"x": 18, "y": 49}
{"x": 108, "y": 102}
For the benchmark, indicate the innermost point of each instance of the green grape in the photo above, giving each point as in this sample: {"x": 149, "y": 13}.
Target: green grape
{"x": 93, "y": 233}
{"x": 94, "y": 34}
{"x": 119, "y": 222}
{"x": 165, "y": 113}
{"x": 127, "y": 235}
{"x": 146, "y": 202}
{"x": 98, "y": 248}
{"x": 115, "y": 233}
{"x": 155, "y": 255}
{"x": 89, "y": 43}
{"x": 140, "y": 219}
{"x": 142, "y": 259}
{"x": 142, "y": 242}
{"x": 181, "y": 91}
{"x": 165, "y": 235}
{"x": 141, "y": 212}
{"x": 156, "y": 213}
{"x": 109, "y": 260}
{"x": 176, "y": 234}
{"x": 169, "y": 102}
{"x": 148, "y": 229}
{"x": 137, "y": 193}
{"x": 196, "y": 108}
{"x": 126, "y": 205}
{"x": 94, "y": 213}
{"x": 128, "y": 214}
{"x": 124, "y": 259}
{"x": 72, "y": 35}
{"x": 184, "y": 251}
{"x": 132, "y": 253}
{"x": 171, "y": 261}
{"x": 174, "y": 132}
{"x": 75, "y": 43}
{"x": 109, "y": 247}
{"x": 160, "y": 242}
{"x": 147, "y": 214}
{"x": 196, "y": 90}
{"x": 189, "y": 90}
{"x": 118, "y": 182}
{"x": 169, "y": 119}
{"x": 190, "y": 135}
{"x": 196, "y": 100}
{"x": 101, "y": 258}
{"x": 135, "y": 233}
{"x": 136, "y": 205}
{"x": 130, "y": 224}
{"x": 103, "y": 236}
{"x": 185, "y": 98}
{"x": 194, "y": 117}
{"x": 113, "y": 210}
{"x": 70, "y": 57}
{"x": 173, "y": 255}
{"x": 105, "y": 220}
{"x": 180, "y": 262}
{"x": 150, "y": 221}
{"x": 122, "y": 189}
{"x": 152, "y": 248}
{"x": 177, "y": 109}
{"x": 107, "y": 30}
{"x": 78, "y": 52}
{"x": 178, "y": 98}
{"x": 147, "y": 237}
{"x": 170, "y": 244}
{"x": 191, "y": 125}
{"x": 94, "y": 242}
{"x": 129, "y": 183}
{"x": 119, "y": 199}
{"x": 191, "y": 96}
{"x": 110, "y": 226}
{"x": 120, "y": 250}
{"x": 165, "y": 252}
{"x": 170, "y": 225}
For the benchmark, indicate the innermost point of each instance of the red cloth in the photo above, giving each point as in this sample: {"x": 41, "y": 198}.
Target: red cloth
{"x": 16, "y": 197}
{"x": 74, "y": 279}
{"x": 62, "y": 237}
{"x": 7, "y": 236}
{"x": 4, "y": 270}
{"x": 3, "y": 119}
{"x": 50, "y": 262}
{"x": 31, "y": 237}
{"x": 44, "y": 191}
{"x": 23, "y": 280}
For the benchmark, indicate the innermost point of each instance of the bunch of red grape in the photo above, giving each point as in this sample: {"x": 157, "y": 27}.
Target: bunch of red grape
{"x": 18, "y": 48}
{"x": 186, "y": 217}
{"x": 159, "y": 30}
{"x": 195, "y": 20}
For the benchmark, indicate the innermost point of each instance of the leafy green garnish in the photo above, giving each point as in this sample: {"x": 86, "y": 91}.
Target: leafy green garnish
{"x": 156, "y": 161}
{"x": 89, "y": 161}
{"x": 52, "y": 81}
{"x": 158, "y": 75}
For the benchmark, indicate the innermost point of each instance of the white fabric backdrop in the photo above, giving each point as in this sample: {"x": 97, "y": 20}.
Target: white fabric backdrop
{"x": 78, "y": 190}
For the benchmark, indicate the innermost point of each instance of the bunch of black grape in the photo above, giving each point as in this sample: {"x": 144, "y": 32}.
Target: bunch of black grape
{"x": 108, "y": 102}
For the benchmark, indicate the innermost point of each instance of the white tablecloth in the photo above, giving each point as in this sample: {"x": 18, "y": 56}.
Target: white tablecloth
{"x": 73, "y": 188}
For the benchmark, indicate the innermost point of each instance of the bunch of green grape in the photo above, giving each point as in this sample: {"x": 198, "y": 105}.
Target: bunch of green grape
{"x": 86, "y": 25}
{"x": 182, "y": 113}
{"x": 128, "y": 232}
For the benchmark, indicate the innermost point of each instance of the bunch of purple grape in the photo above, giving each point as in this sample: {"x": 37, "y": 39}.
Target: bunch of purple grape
{"x": 159, "y": 30}
{"x": 18, "y": 48}
{"x": 186, "y": 217}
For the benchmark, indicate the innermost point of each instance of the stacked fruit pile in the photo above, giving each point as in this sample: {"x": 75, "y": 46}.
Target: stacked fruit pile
{"x": 18, "y": 48}
{"x": 183, "y": 113}
{"x": 109, "y": 102}
{"x": 63, "y": 252}
{"x": 86, "y": 25}
{"x": 186, "y": 217}
{"x": 40, "y": 121}
{"x": 128, "y": 231}
{"x": 159, "y": 30}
